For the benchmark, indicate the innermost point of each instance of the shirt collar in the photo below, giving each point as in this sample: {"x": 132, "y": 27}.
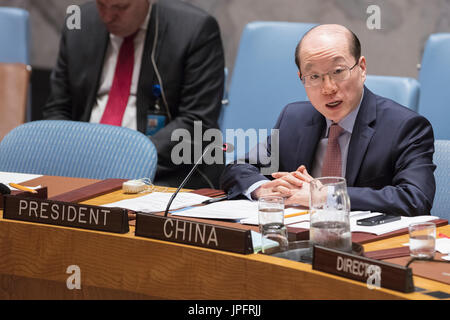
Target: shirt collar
{"x": 144, "y": 25}
{"x": 348, "y": 122}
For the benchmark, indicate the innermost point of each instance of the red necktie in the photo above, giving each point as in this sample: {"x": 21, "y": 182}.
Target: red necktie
{"x": 332, "y": 163}
{"x": 120, "y": 90}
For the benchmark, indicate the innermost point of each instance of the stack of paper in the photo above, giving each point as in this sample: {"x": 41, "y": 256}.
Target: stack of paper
{"x": 224, "y": 210}
{"x": 13, "y": 177}
{"x": 257, "y": 242}
{"x": 354, "y": 215}
{"x": 157, "y": 201}
{"x": 295, "y": 219}
{"x": 404, "y": 222}
{"x": 443, "y": 245}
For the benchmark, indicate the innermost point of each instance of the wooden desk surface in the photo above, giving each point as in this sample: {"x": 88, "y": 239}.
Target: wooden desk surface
{"x": 34, "y": 259}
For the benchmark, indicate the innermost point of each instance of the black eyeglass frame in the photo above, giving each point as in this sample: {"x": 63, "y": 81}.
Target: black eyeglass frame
{"x": 302, "y": 78}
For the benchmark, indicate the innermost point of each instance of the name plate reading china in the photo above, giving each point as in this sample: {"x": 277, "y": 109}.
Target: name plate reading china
{"x": 373, "y": 272}
{"x": 66, "y": 214}
{"x": 193, "y": 233}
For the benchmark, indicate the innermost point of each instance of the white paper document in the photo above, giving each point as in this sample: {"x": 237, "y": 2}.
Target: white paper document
{"x": 14, "y": 177}
{"x": 443, "y": 245}
{"x": 224, "y": 210}
{"x": 304, "y": 224}
{"x": 287, "y": 221}
{"x": 404, "y": 222}
{"x": 245, "y": 211}
{"x": 257, "y": 242}
{"x": 157, "y": 201}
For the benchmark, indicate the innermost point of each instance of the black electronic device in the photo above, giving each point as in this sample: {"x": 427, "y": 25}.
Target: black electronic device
{"x": 376, "y": 220}
{"x": 4, "y": 189}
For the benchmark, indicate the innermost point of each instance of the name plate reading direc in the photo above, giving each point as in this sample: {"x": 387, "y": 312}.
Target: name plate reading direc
{"x": 66, "y": 214}
{"x": 375, "y": 273}
{"x": 194, "y": 233}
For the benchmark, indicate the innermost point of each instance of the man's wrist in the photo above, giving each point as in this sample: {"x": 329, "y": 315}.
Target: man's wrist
{"x": 249, "y": 193}
{"x": 256, "y": 193}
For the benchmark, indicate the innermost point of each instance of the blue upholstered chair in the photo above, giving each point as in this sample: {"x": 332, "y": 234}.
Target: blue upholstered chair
{"x": 434, "y": 78}
{"x": 441, "y": 205}
{"x": 78, "y": 149}
{"x": 264, "y": 77}
{"x": 14, "y": 35}
{"x": 15, "y": 48}
{"x": 402, "y": 90}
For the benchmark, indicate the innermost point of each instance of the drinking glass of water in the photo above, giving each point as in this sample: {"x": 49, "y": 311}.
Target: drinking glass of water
{"x": 422, "y": 239}
{"x": 329, "y": 211}
{"x": 271, "y": 222}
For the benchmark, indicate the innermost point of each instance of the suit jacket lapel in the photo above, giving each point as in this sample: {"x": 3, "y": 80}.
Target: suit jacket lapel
{"x": 362, "y": 134}
{"x": 147, "y": 77}
{"x": 96, "y": 51}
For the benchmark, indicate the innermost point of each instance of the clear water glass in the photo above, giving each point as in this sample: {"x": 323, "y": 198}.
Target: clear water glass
{"x": 422, "y": 240}
{"x": 271, "y": 222}
{"x": 330, "y": 208}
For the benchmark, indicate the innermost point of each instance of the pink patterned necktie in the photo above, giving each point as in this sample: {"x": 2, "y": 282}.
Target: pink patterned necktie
{"x": 332, "y": 163}
{"x": 120, "y": 90}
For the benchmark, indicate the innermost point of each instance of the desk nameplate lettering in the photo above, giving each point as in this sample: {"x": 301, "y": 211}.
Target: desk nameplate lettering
{"x": 387, "y": 275}
{"x": 66, "y": 214}
{"x": 193, "y": 233}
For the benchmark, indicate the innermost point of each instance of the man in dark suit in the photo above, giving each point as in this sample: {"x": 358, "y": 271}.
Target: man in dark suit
{"x": 384, "y": 150}
{"x": 152, "y": 66}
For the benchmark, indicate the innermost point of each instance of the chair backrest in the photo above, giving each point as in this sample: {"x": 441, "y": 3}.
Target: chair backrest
{"x": 404, "y": 91}
{"x": 14, "y": 35}
{"x": 78, "y": 149}
{"x": 434, "y": 78}
{"x": 14, "y": 82}
{"x": 264, "y": 77}
{"x": 441, "y": 205}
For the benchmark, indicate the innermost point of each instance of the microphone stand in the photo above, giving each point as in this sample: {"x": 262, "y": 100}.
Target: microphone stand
{"x": 185, "y": 181}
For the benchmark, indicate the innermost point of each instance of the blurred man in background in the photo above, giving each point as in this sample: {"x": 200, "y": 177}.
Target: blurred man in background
{"x": 152, "y": 66}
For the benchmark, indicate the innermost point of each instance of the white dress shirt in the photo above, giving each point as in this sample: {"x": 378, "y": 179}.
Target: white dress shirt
{"x": 129, "y": 119}
{"x": 347, "y": 124}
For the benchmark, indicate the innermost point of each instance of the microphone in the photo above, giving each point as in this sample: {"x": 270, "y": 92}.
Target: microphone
{"x": 4, "y": 189}
{"x": 226, "y": 147}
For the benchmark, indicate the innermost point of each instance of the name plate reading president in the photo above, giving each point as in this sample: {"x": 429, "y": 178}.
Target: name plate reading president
{"x": 375, "y": 273}
{"x": 194, "y": 233}
{"x": 66, "y": 214}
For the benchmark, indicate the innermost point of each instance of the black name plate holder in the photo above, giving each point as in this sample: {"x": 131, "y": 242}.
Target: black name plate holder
{"x": 375, "y": 273}
{"x": 65, "y": 214}
{"x": 193, "y": 233}
{"x": 42, "y": 193}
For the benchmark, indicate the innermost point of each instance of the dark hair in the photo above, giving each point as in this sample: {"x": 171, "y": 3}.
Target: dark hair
{"x": 355, "y": 47}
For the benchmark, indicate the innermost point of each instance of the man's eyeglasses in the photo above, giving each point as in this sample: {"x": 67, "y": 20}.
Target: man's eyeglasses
{"x": 339, "y": 73}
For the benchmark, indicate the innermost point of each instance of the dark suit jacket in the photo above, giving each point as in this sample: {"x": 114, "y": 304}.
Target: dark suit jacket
{"x": 190, "y": 60}
{"x": 389, "y": 163}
